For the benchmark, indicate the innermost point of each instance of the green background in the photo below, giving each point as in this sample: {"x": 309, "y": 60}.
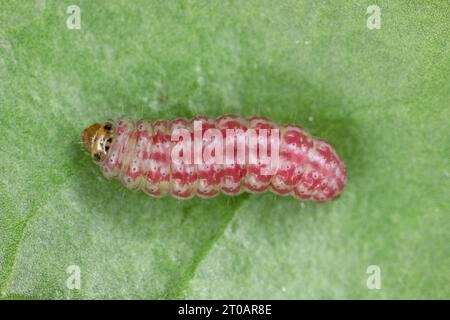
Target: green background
{"x": 381, "y": 97}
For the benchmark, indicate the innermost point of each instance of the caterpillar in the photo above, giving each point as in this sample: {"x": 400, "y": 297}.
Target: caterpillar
{"x": 146, "y": 155}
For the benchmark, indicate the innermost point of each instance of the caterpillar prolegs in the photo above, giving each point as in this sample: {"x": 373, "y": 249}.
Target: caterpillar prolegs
{"x": 204, "y": 157}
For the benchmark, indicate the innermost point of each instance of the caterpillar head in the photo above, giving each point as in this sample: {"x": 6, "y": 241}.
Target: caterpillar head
{"x": 97, "y": 140}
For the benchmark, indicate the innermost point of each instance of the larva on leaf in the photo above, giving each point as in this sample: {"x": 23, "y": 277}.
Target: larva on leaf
{"x": 205, "y": 157}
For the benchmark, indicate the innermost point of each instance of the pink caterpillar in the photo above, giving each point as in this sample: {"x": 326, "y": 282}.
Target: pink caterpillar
{"x": 139, "y": 154}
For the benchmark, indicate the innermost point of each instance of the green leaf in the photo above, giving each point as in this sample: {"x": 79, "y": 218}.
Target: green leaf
{"x": 381, "y": 97}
